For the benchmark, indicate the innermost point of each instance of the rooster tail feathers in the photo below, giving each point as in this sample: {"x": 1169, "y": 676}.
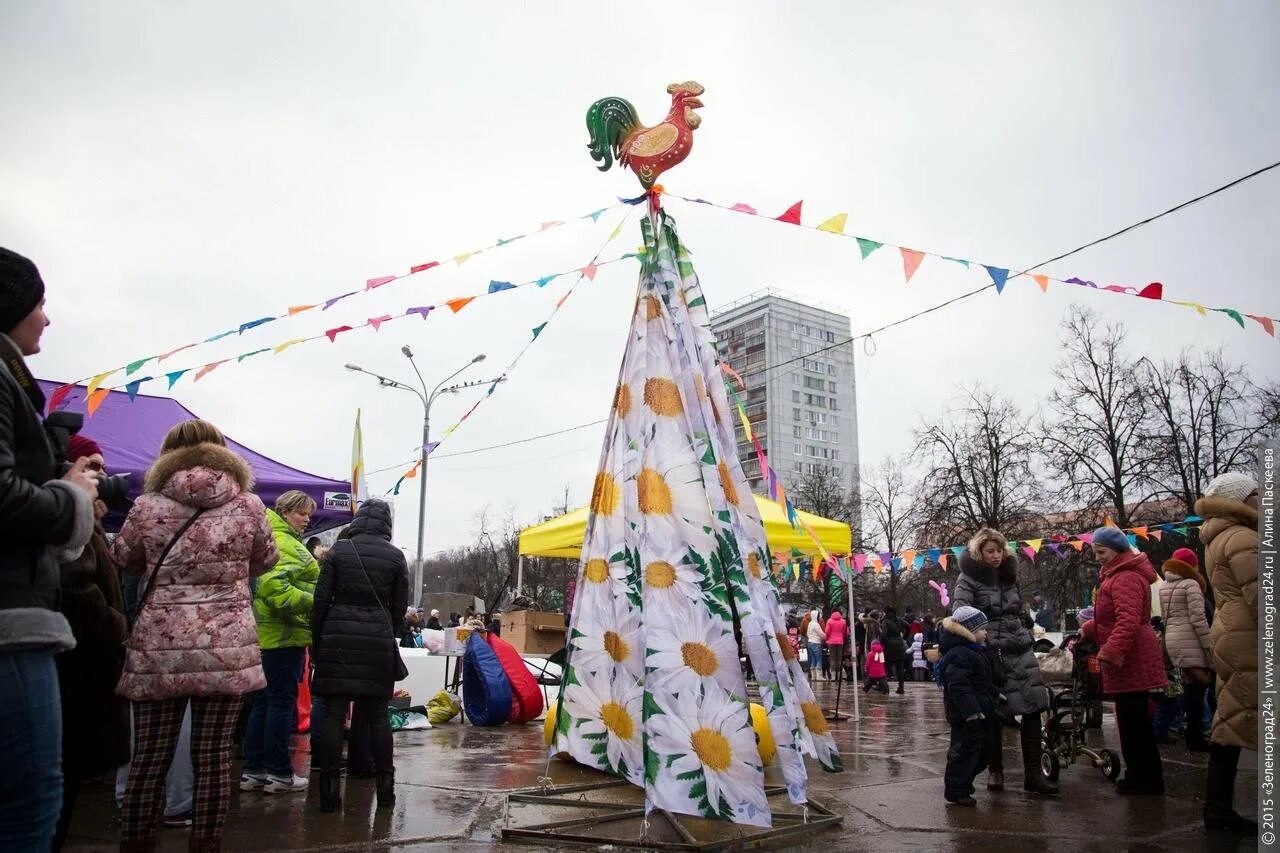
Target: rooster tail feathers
{"x": 609, "y": 121}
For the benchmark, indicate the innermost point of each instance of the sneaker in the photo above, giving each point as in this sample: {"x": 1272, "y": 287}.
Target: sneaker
{"x": 253, "y": 781}
{"x": 285, "y": 785}
{"x": 966, "y": 801}
{"x": 177, "y": 821}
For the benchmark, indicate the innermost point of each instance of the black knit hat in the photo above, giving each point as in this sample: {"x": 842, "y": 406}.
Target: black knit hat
{"x": 21, "y": 289}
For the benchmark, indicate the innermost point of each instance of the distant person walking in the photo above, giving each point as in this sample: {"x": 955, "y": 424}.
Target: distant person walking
{"x": 1186, "y": 638}
{"x": 198, "y": 535}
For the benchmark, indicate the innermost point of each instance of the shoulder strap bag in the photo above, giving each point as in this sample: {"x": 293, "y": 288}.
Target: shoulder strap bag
{"x": 401, "y": 672}
{"x": 151, "y": 577}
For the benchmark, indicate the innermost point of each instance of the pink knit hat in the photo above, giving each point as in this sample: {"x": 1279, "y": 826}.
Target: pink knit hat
{"x": 1187, "y": 556}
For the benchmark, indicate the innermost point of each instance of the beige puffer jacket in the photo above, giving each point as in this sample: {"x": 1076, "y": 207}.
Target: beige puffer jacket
{"x": 1186, "y": 629}
{"x": 1230, "y": 533}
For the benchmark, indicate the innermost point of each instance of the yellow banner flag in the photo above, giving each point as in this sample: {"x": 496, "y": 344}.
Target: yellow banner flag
{"x": 835, "y": 224}
{"x": 95, "y": 382}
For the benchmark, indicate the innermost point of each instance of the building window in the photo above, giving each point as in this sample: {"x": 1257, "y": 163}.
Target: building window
{"x": 835, "y": 454}
{"x": 795, "y": 396}
{"x": 831, "y": 386}
{"x": 795, "y": 413}
{"x": 833, "y": 404}
{"x": 795, "y": 432}
{"x": 831, "y": 337}
{"x": 815, "y": 384}
{"x": 797, "y": 447}
{"x": 831, "y": 370}
{"x": 798, "y": 467}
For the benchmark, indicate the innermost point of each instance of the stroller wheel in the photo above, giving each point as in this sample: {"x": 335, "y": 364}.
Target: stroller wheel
{"x": 1109, "y": 764}
{"x": 1050, "y": 765}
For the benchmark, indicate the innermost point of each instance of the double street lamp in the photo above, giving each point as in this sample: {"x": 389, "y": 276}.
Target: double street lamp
{"x": 427, "y": 398}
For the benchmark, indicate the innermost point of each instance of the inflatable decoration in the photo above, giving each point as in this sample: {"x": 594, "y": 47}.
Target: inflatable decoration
{"x": 486, "y": 691}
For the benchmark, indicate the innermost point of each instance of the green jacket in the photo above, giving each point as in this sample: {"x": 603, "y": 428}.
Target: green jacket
{"x": 283, "y": 596}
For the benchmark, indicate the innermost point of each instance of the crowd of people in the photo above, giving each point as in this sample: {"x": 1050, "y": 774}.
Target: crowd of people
{"x": 143, "y": 651}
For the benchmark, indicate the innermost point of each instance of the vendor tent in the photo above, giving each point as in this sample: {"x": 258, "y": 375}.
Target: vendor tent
{"x": 562, "y": 536}
{"x": 130, "y": 433}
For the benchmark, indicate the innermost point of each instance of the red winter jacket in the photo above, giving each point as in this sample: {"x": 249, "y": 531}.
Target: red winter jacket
{"x": 1129, "y": 649}
{"x": 875, "y": 661}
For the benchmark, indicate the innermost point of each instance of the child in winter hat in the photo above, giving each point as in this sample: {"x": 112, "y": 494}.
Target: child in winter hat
{"x": 969, "y": 696}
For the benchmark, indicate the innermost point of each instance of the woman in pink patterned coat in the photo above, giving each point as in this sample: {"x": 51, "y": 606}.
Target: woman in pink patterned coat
{"x": 194, "y": 638}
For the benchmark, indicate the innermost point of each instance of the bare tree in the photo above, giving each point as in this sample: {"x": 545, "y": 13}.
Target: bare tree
{"x": 1092, "y": 433}
{"x": 823, "y": 492}
{"x": 981, "y": 458}
{"x": 1207, "y": 418}
{"x": 890, "y": 520}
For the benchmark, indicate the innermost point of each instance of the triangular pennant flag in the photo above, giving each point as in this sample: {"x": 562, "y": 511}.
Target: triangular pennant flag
{"x": 1086, "y": 538}
{"x": 547, "y": 225}
{"x": 174, "y": 377}
{"x": 220, "y": 336}
{"x": 613, "y": 235}
{"x": 243, "y": 356}
{"x": 94, "y": 400}
{"x": 57, "y": 396}
{"x": 329, "y": 303}
{"x": 910, "y": 261}
{"x": 422, "y": 310}
{"x": 132, "y": 388}
{"x": 1140, "y": 531}
{"x": 909, "y": 556}
{"x": 1233, "y": 314}
{"x": 1196, "y": 305}
{"x": 174, "y": 352}
{"x": 999, "y": 275}
{"x": 1034, "y": 544}
{"x": 133, "y": 366}
{"x": 1180, "y": 530}
{"x": 791, "y": 215}
{"x": 377, "y": 322}
{"x": 416, "y": 268}
{"x": 1266, "y": 323}
{"x": 886, "y": 556}
{"x": 957, "y": 550}
{"x": 504, "y": 241}
{"x": 537, "y": 330}
{"x": 744, "y": 208}
{"x": 835, "y": 224}
{"x": 456, "y": 305}
{"x": 1043, "y": 281}
{"x": 495, "y": 286}
{"x": 594, "y": 216}
{"x": 561, "y": 300}
{"x": 1133, "y": 540}
{"x": 1154, "y": 290}
{"x": 546, "y": 279}
{"x": 1055, "y": 548}
{"x": 1082, "y": 282}
{"x": 279, "y": 348}
{"x": 917, "y": 562}
{"x": 896, "y": 563}
{"x": 1030, "y": 552}
{"x": 253, "y": 324}
{"x": 866, "y": 247}
{"x": 1077, "y": 544}
{"x": 333, "y": 333}
{"x": 1107, "y": 522}
{"x": 96, "y": 381}
{"x": 1191, "y": 518}
{"x": 589, "y": 271}
{"x": 1116, "y": 288}
{"x": 206, "y": 370}
{"x": 1158, "y": 535}
{"x": 960, "y": 261}
{"x": 373, "y": 283}
{"x": 859, "y": 563}
{"x": 298, "y": 309}
{"x": 431, "y": 445}
{"x": 935, "y": 554}
{"x": 462, "y": 259}
{"x": 942, "y": 561}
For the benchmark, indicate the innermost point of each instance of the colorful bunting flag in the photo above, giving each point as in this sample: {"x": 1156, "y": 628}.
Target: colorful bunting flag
{"x": 333, "y": 333}
{"x": 792, "y": 214}
{"x": 998, "y": 276}
{"x": 835, "y": 224}
{"x": 377, "y": 322}
{"x": 456, "y": 305}
{"x": 94, "y": 400}
{"x": 497, "y": 286}
{"x": 374, "y": 283}
{"x": 58, "y": 395}
{"x": 910, "y": 261}
{"x": 134, "y": 366}
{"x": 1043, "y": 281}
{"x": 866, "y": 247}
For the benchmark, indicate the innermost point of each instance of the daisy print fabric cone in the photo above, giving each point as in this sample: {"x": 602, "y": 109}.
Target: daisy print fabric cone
{"x": 674, "y": 555}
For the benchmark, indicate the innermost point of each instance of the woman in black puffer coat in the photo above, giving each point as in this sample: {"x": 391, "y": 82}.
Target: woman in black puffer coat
{"x": 356, "y": 622}
{"x": 989, "y": 582}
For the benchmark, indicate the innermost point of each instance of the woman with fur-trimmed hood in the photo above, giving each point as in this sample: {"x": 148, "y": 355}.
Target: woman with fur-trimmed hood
{"x": 194, "y": 639}
{"x": 989, "y": 582}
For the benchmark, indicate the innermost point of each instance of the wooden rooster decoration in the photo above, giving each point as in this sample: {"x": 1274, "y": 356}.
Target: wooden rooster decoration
{"x": 648, "y": 151}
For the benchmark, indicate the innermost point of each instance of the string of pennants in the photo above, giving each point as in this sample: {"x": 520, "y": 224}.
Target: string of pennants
{"x": 588, "y": 273}
{"x": 1000, "y": 276}
{"x": 95, "y": 393}
{"x": 917, "y": 559}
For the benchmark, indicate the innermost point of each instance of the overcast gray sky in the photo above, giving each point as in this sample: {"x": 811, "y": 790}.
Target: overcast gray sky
{"x": 178, "y": 168}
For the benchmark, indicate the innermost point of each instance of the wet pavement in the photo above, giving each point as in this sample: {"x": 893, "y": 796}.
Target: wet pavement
{"x": 452, "y": 783}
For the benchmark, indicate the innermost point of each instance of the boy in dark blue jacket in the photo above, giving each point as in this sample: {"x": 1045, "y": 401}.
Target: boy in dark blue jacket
{"x": 969, "y": 695}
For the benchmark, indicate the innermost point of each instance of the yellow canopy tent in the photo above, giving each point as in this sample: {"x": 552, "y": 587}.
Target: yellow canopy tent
{"x": 562, "y": 536}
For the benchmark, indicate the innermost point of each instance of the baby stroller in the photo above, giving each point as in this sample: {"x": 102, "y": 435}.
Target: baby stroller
{"x": 1073, "y": 700}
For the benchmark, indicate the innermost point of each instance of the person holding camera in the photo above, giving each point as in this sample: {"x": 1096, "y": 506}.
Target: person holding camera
{"x": 44, "y": 521}
{"x": 95, "y": 721}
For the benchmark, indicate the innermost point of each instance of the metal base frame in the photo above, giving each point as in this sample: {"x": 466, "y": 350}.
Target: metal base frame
{"x": 578, "y": 831}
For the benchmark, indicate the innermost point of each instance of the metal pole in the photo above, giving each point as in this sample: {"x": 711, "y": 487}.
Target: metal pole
{"x": 422, "y": 503}
{"x": 853, "y": 614}
{"x": 519, "y": 575}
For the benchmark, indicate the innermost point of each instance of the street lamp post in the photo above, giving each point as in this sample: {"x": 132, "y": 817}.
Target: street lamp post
{"x": 426, "y": 398}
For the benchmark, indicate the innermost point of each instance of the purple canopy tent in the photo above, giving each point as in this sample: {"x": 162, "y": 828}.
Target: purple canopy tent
{"x": 130, "y": 434}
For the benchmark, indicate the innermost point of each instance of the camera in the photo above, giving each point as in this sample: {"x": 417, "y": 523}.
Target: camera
{"x": 113, "y": 490}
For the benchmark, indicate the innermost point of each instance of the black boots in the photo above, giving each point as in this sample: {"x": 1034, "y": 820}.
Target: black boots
{"x": 330, "y": 791}
{"x": 995, "y": 780}
{"x": 1033, "y": 781}
{"x": 386, "y": 788}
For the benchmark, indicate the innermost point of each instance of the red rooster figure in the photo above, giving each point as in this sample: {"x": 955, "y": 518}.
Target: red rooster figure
{"x": 648, "y": 151}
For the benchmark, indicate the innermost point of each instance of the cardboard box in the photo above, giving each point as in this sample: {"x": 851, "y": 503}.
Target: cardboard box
{"x": 534, "y": 632}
